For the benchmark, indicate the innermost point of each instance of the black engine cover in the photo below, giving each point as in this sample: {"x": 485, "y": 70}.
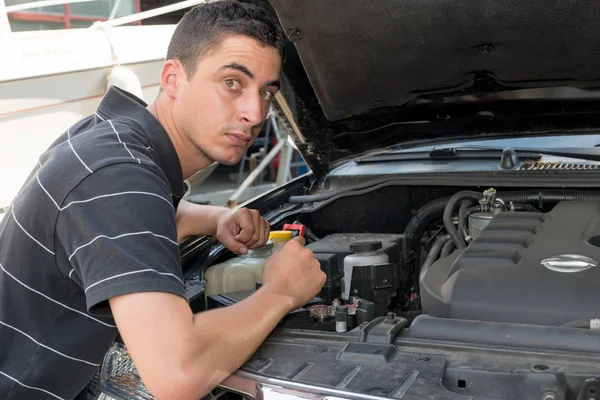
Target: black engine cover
{"x": 505, "y": 275}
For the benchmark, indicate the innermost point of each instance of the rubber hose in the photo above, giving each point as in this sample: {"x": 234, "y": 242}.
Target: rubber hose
{"x": 309, "y": 198}
{"x": 462, "y": 218}
{"x": 425, "y": 215}
{"x": 448, "y": 248}
{"x": 433, "y": 254}
{"x": 540, "y": 197}
{"x": 449, "y": 212}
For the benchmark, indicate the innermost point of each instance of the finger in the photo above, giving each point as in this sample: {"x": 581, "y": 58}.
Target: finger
{"x": 247, "y": 228}
{"x": 264, "y": 233}
{"x": 267, "y": 230}
{"x": 233, "y": 245}
{"x": 251, "y": 243}
{"x": 300, "y": 240}
{"x": 255, "y": 241}
{"x": 260, "y": 234}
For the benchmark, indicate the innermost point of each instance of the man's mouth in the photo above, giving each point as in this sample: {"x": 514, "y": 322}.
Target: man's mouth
{"x": 239, "y": 139}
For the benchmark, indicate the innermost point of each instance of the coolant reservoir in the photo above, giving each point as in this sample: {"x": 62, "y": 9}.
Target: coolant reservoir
{"x": 279, "y": 239}
{"x": 365, "y": 253}
{"x": 214, "y": 276}
{"x": 239, "y": 273}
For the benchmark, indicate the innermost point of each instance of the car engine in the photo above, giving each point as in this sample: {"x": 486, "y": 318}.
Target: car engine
{"x": 523, "y": 267}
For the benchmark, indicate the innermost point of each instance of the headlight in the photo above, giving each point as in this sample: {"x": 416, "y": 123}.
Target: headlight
{"x": 119, "y": 376}
{"x": 119, "y": 380}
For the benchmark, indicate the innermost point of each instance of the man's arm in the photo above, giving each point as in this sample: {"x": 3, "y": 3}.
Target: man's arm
{"x": 183, "y": 356}
{"x": 238, "y": 230}
{"x": 197, "y": 219}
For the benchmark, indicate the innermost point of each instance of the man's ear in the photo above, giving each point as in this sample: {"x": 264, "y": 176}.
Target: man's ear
{"x": 171, "y": 76}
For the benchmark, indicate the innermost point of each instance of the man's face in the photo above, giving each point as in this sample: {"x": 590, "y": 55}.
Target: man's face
{"x": 221, "y": 109}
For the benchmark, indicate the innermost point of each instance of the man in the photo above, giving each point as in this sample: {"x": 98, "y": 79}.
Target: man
{"x": 89, "y": 245}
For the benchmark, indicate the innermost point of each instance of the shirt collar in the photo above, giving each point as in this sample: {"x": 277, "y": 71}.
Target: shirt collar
{"x": 121, "y": 104}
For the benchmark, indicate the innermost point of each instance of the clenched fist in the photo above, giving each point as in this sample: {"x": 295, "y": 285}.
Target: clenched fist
{"x": 294, "y": 273}
{"x": 242, "y": 230}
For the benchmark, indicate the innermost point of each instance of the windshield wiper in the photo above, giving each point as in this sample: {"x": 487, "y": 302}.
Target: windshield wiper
{"x": 581, "y": 153}
{"x": 509, "y": 156}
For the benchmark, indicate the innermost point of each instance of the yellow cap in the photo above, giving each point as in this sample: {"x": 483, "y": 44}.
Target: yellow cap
{"x": 279, "y": 236}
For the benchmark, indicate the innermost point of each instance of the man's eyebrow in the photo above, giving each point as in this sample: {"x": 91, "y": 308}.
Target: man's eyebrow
{"x": 239, "y": 67}
{"x": 274, "y": 83}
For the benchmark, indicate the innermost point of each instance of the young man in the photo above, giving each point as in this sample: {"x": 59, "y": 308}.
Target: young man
{"x": 89, "y": 247}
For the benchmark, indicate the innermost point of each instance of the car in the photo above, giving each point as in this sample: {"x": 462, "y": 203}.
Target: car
{"x": 453, "y": 202}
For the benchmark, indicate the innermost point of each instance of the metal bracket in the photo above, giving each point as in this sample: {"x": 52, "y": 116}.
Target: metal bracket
{"x": 383, "y": 329}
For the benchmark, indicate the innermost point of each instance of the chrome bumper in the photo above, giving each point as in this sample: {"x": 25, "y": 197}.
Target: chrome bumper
{"x": 262, "y": 387}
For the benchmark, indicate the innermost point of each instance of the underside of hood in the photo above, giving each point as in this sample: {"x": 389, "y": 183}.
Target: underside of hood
{"x": 355, "y": 65}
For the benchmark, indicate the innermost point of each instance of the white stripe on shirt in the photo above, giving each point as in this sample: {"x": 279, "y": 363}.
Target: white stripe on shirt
{"x": 44, "y": 189}
{"x": 12, "y": 209}
{"x": 99, "y": 197}
{"x": 55, "y": 301}
{"x": 117, "y": 194}
{"x": 123, "y": 143}
{"x": 31, "y": 387}
{"x": 120, "y": 236}
{"x": 47, "y": 347}
{"x": 134, "y": 272}
{"x": 79, "y": 158}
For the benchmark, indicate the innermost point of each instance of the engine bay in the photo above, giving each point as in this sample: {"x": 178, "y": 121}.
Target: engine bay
{"x": 508, "y": 256}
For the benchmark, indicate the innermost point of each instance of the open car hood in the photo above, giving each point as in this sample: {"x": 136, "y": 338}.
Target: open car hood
{"x": 365, "y": 75}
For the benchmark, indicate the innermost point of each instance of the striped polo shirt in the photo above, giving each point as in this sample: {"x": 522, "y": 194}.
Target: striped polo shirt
{"x": 95, "y": 219}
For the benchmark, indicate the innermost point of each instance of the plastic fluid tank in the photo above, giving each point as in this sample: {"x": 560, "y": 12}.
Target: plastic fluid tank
{"x": 214, "y": 276}
{"x": 279, "y": 239}
{"x": 365, "y": 253}
{"x": 255, "y": 262}
{"x": 238, "y": 273}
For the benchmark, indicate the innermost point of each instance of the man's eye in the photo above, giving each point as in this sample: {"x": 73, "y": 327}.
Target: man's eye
{"x": 232, "y": 83}
{"x": 266, "y": 94}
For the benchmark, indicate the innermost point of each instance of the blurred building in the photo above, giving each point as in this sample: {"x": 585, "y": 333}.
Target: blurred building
{"x": 81, "y": 14}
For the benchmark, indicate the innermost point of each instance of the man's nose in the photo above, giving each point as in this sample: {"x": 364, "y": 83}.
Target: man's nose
{"x": 251, "y": 111}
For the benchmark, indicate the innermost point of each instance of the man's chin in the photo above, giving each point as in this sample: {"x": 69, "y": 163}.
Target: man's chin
{"x": 229, "y": 160}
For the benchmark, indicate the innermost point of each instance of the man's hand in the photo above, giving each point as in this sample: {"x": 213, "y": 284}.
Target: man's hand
{"x": 238, "y": 230}
{"x": 293, "y": 274}
{"x": 242, "y": 230}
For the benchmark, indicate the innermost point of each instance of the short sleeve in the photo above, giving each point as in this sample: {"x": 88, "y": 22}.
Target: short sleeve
{"x": 117, "y": 229}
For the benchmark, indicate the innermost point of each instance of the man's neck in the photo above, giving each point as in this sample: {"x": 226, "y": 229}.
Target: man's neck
{"x": 191, "y": 162}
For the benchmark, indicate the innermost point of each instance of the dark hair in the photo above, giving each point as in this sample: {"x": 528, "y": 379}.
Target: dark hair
{"x": 206, "y": 25}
